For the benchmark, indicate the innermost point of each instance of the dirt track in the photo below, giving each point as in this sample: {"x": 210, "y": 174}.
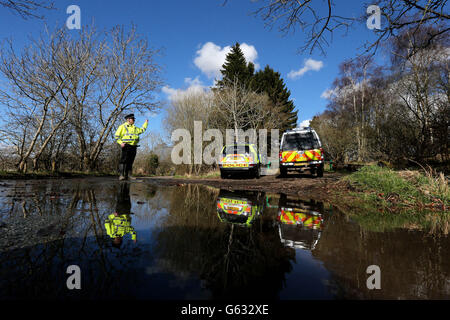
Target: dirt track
{"x": 298, "y": 184}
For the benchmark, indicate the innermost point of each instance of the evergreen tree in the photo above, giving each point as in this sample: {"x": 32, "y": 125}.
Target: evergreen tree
{"x": 236, "y": 68}
{"x": 265, "y": 81}
{"x": 270, "y": 82}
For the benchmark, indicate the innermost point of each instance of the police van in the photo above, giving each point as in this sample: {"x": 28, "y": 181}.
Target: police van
{"x": 300, "y": 222}
{"x": 301, "y": 150}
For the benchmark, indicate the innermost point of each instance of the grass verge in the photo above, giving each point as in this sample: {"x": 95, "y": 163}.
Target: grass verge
{"x": 381, "y": 198}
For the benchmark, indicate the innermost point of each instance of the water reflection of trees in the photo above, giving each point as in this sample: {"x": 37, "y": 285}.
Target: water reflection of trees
{"x": 232, "y": 261}
{"x": 64, "y": 225}
{"x": 69, "y": 231}
{"x": 413, "y": 265}
{"x": 150, "y": 201}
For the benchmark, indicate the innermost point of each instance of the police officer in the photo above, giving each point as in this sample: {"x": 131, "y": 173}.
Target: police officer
{"x": 127, "y": 135}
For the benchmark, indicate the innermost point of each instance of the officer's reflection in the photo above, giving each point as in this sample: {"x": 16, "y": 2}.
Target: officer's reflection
{"x": 118, "y": 223}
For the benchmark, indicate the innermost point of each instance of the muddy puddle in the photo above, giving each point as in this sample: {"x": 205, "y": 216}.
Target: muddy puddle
{"x": 144, "y": 241}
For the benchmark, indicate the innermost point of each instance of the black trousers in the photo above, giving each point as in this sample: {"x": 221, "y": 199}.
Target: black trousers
{"x": 127, "y": 157}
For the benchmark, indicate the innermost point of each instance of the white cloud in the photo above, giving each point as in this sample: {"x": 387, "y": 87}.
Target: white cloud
{"x": 169, "y": 91}
{"x": 305, "y": 123}
{"x": 150, "y": 114}
{"x": 327, "y": 94}
{"x": 210, "y": 58}
{"x": 310, "y": 64}
{"x": 194, "y": 83}
{"x": 193, "y": 86}
{"x": 250, "y": 54}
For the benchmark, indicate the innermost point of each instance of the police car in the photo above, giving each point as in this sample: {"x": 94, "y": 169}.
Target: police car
{"x": 300, "y": 150}
{"x": 240, "y": 159}
{"x": 239, "y": 207}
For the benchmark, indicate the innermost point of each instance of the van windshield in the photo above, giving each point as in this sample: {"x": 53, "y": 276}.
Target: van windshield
{"x": 236, "y": 150}
{"x": 300, "y": 141}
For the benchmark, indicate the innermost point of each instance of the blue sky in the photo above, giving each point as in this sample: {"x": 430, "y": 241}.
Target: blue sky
{"x": 195, "y": 35}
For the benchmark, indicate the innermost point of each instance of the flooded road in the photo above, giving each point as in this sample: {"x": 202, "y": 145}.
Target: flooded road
{"x": 141, "y": 240}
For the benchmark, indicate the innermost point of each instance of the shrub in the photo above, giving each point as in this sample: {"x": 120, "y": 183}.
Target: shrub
{"x": 153, "y": 163}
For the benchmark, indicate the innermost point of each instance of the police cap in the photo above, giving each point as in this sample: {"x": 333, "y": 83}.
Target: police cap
{"x": 131, "y": 115}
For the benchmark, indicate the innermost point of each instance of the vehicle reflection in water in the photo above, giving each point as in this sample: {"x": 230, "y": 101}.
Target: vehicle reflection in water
{"x": 300, "y": 222}
{"x": 235, "y": 256}
{"x": 240, "y": 207}
{"x": 191, "y": 247}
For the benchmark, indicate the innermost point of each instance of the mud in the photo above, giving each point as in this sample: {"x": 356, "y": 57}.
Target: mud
{"x": 303, "y": 185}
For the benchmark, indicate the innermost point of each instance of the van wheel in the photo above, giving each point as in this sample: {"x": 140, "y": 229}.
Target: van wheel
{"x": 319, "y": 171}
{"x": 257, "y": 172}
{"x": 283, "y": 172}
{"x": 223, "y": 175}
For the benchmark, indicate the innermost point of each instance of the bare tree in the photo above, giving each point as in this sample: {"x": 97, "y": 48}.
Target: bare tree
{"x": 352, "y": 91}
{"x": 419, "y": 85}
{"x": 87, "y": 82}
{"x": 27, "y": 8}
{"x": 115, "y": 73}
{"x": 412, "y": 16}
{"x": 184, "y": 110}
{"x": 293, "y": 14}
{"x": 54, "y": 156}
{"x": 128, "y": 80}
{"x": 396, "y": 114}
{"x": 237, "y": 107}
{"x": 33, "y": 99}
{"x": 320, "y": 25}
{"x": 338, "y": 143}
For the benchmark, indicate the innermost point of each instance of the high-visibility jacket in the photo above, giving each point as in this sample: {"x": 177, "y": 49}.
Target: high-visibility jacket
{"x": 119, "y": 226}
{"x": 129, "y": 133}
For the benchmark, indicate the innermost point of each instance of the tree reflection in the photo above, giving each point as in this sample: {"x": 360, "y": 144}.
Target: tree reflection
{"x": 75, "y": 236}
{"x": 414, "y": 265}
{"x": 231, "y": 244}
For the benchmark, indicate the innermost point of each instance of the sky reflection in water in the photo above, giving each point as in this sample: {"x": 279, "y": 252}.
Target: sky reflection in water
{"x": 197, "y": 242}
